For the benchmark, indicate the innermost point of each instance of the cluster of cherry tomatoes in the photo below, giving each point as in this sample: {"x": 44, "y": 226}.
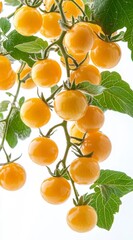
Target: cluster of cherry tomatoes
{"x": 81, "y": 42}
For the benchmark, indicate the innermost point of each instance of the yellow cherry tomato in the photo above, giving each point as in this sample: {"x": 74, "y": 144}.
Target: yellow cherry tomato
{"x": 105, "y": 54}
{"x": 1, "y": 6}
{"x": 5, "y": 68}
{"x": 87, "y": 73}
{"x": 27, "y": 21}
{"x": 99, "y": 144}
{"x": 82, "y": 218}
{"x": 55, "y": 190}
{"x": 84, "y": 170}
{"x": 46, "y": 73}
{"x": 28, "y": 84}
{"x": 12, "y": 176}
{"x": 50, "y": 25}
{"x": 75, "y": 132}
{"x": 70, "y": 105}
{"x": 92, "y": 121}
{"x": 71, "y": 10}
{"x": 79, "y": 39}
{"x": 43, "y": 151}
{"x": 35, "y": 113}
{"x": 8, "y": 82}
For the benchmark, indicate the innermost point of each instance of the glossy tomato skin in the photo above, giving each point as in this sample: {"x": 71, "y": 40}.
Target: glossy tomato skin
{"x": 75, "y": 132}
{"x": 92, "y": 121}
{"x": 8, "y": 82}
{"x": 87, "y": 73}
{"x": 46, "y": 73}
{"x": 82, "y": 218}
{"x": 27, "y": 21}
{"x": 79, "y": 39}
{"x": 1, "y": 6}
{"x": 5, "y": 68}
{"x": 50, "y": 26}
{"x": 43, "y": 151}
{"x": 12, "y": 176}
{"x": 71, "y": 10}
{"x": 28, "y": 84}
{"x": 105, "y": 54}
{"x": 99, "y": 144}
{"x": 70, "y": 105}
{"x": 84, "y": 170}
{"x": 55, "y": 190}
{"x": 35, "y": 113}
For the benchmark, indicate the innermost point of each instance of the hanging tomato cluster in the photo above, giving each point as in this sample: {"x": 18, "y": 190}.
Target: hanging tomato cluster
{"x": 78, "y": 41}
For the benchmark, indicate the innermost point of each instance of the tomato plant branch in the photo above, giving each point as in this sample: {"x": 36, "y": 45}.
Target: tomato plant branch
{"x": 12, "y": 14}
{"x": 6, "y": 121}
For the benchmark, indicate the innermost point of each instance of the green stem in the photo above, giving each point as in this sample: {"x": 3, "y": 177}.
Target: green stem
{"x": 54, "y": 127}
{"x": 12, "y": 14}
{"x": 12, "y": 106}
{"x": 59, "y": 4}
{"x": 53, "y": 94}
{"x": 68, "y": 146}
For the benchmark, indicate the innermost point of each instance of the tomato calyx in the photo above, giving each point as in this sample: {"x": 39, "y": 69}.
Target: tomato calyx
{"x": 33, "y": 4}
{"x": 57, "y": 172}
{"x": 82, "y": 200}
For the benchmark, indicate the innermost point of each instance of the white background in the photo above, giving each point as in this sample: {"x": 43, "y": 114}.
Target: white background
{"x": 25, "y": 216}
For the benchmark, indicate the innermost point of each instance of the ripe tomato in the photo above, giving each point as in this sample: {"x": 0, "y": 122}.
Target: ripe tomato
{"x": 78, "y": 58}
{"x": 92, "y": 121}
{"x": 8, "y": 82}
{"x": 50, "y": 25}
{"x": 88, "y": 73}
{"x": 70, "y": 105}
{"x": 1, "y": 7}
{"x": 105, "y": 54}
{"x": 55, "y": 190}
{"x": 84, "y": 170}
{"x": 82, "y": 218}
{"x": 71, "y": 10}
{"x": 28, "y": 84}
{"x": 99, "y": 144}
{"x": 96, "y": 30}
{"x": 46, "y": 73}
{"x": 75, "y": 132}
{"x": 35, "y": 113}
{"x": 5, "y": 68}
{"x": 27, "y": 21}
{"x": 43, "y": 151}
{"x": 79, "y": 38}
{"x": 12, "y": 176}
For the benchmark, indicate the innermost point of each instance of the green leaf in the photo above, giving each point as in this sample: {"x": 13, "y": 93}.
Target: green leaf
{"x": 4, "y": 105}
{"x": 105, "y": 208}
{"x": 90, "y": 88}
{"x": 16, "y": 129}
{"x": 1, "y": 116}
{"x": 21, "y": 101}
{"x": 112, "y": 15}
{"x": 87, "y": 10}
{"x": 12, "y": 2}
{"x": 32, "y": 47}
{"x": 11, "y": 138}
{"x": 5, "y": 25}
{"x": 14, "y": 38}
{"x": 114, "y": 182}
{"x": 54, "y": 88}
{"x": 117, "y": 94}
